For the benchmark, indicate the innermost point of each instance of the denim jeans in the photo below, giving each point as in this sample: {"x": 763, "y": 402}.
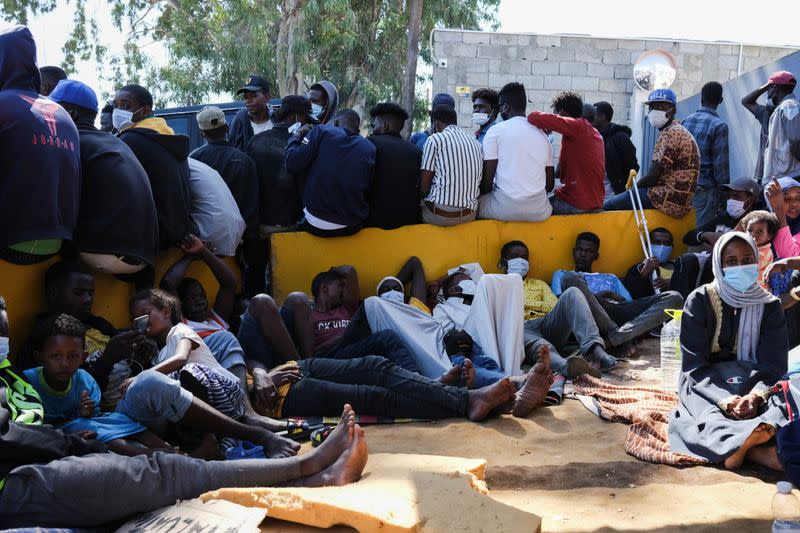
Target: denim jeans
{"x": 622, "y": 201}
{"x": 706, "y": 205}
{"x": 153, "y": 397}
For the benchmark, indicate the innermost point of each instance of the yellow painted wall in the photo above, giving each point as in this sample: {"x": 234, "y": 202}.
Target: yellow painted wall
{"x": 23, "y": 289}
{"x": 298, "y": 257}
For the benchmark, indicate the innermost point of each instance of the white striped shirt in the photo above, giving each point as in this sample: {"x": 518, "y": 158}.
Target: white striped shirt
{"x": 456, "y": 160}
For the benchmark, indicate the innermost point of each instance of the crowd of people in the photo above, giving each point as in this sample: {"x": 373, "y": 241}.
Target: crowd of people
{"x": 193, "y": 381}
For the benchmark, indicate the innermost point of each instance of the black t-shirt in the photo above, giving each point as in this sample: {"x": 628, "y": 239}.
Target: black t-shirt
{"x": 280, "y": 191}
{"x": 394, "y": 201}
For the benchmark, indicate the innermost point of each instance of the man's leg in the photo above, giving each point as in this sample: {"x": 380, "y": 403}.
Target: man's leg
{"x": 298, "y": 308}
{"x": 601, "y": 318}
{"x": 429, "y": 217}
{"x": 684, "y": 277}
{"x": 384, "y": 343}
{"x": 705, "y": 203}
{"x": 264, "y": 311}
{"x": 641, "y": 315}
{"x": 253, "y": 258}
{"x": 535, "y": 340}
{"x": 560, "y": 207}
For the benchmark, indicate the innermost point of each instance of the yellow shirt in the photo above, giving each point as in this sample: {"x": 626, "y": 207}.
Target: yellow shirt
{"x": 539, "y": 299}
{"x": 414, "y": 302}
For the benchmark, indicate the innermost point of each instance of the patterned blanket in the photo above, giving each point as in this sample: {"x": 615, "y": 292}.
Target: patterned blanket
{"x": 647, "y": 411}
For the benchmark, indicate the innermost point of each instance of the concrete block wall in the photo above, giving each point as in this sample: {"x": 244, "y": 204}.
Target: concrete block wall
{"x": 597, "y": 68}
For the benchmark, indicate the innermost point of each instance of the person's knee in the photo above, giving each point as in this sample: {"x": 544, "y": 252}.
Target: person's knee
{"x": 377, "y": 362}
{"x": 262, "y": 305}
{"x": 572, "y": 280}
{"x": 672, "y": 299}
{"x": 298, "y": 302}
{"x": 571, "y": 294}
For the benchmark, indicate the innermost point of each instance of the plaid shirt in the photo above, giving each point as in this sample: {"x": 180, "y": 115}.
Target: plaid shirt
{"x": 711, "y": 134}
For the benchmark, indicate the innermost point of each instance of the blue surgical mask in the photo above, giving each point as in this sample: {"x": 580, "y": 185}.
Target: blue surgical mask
{"x": 316, "y": 110}
{"x": 517, "y": 265}
{"x": 662, "y": 252}
{"x": 394, "y": 296}
{"x": 740, "y": 278}
{"x": 468, "y": 287}
{"x": 294, "y": 127}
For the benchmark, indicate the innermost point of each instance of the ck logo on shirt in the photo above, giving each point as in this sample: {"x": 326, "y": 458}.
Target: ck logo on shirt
{"x": 45, "y": 111}
{"x": 332, "y": 324}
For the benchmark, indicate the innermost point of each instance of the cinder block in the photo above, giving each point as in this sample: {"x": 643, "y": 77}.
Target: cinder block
{"x": 545, "y": 67}
{"x": 600, "y": 71}
{"x": 560, "y": 54}
{"x": 728, "y": 62}
{"x": 495, "y": 66}
{"x": 558, "y": 83}
{"x": 477, "y": 79}
{"x": 468, "y": 51}
{"x": 727, "y": 49}
{"x": 613, "y": 86}
{"x": 510, "y": 52}
{"x": 585, "y": 84}
{"x": 691, "y": 48}
{"x": 605, "y": 44}
{"x": 487, "y": 51}
{"x": 548, "y": 40}
{"x": 504, "y": 38}
{"x": 617, "y": 57}
{"x": 516, "y": 66}
{"x": 589, "y": 55}
{"x": 477, "y": 65}
{"x": 668, "y": 46}
{"x": 576, "y": 42}
{"x": 471, "y": 37}
{"x": 532, "y": 53}
{"x": 498, "y": 80}
{"x": 568, "y": 68}
{"x": 631, "y": 44}
{"x": 447, "y": 36}
{"x": 536, "y": 82}
{"x": 623, "y": 72}
{"x": 526, "y": 39}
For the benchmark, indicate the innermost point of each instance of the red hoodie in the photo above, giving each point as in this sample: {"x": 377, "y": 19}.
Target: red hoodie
{"x": 582, "y": 160}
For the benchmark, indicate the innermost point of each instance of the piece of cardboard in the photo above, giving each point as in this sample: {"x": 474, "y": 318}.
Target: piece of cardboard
{"x": 198, "y": 516}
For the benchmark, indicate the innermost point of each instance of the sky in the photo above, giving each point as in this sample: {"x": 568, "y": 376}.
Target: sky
{"x": 707, "y": 20}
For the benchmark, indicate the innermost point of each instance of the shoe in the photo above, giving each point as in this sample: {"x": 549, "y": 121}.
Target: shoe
{"x": 577, "y": 365}
{"x": 245, "y": 450}
{"x": 607, "y": 363}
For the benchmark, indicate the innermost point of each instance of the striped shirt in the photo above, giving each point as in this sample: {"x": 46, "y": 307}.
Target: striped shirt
{"x": 456, "y": 160}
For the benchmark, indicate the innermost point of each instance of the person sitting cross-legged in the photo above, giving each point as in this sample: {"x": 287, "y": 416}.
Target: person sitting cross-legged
{"x": 639, "y": 279}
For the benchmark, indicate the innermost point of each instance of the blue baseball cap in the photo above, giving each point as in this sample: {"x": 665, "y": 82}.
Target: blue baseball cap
{"x": 75, "y": 93}
{"x": 662, "y": 95}
{"x": 443, "y": 99}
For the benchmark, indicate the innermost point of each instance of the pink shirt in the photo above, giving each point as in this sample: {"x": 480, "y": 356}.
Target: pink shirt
{"x": 785, "y": 243}
{"x": 765, "y": 257}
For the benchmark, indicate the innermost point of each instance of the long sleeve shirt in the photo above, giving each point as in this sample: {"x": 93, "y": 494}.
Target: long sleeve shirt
{"x": 784, "y": 131}
{"x": 711, "y": 134}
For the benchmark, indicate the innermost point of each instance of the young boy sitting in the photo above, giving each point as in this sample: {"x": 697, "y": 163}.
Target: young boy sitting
{"x": 762, "y": 227}
{"x": 71, "y": 397}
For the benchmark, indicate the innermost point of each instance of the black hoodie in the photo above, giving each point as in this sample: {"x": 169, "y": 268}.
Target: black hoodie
{"x": 620, "y": 155}
{"x": 40, "y": 182}
{"x": 164, "y": 158}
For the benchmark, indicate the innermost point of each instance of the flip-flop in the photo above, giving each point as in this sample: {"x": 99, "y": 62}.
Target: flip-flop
{"x": 319, "y": 435}
{"x": 297, "y": 430}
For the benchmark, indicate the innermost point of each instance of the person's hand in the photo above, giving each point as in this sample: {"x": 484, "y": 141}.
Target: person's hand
{"x": 661, "y": 284}
{"x": 265, "y": 393}
{"x": 85, "y": 405}
{"x": 191, "y": 245}
{"x": 774, "y": 196}
{"x": 303, "y": 130}
{"x": 86, "y": 434}
{"x": 286, "y": 374}
{"x": 780, "y": 266}
{"x": 123, "y": 387}
{"x": 648, "y": 266}
{"x": 710, "y": 237}
{"x": 123, "y": 345}
{"x": 610, "y": 296}
{"x": 746, "y": 408}
{"x": 145, "y": 352}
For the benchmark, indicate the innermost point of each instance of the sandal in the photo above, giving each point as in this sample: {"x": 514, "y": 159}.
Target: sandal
{"x": 245, "y": 450}
{"x": 318, "y": 436}
{"x": 297, "y": 430}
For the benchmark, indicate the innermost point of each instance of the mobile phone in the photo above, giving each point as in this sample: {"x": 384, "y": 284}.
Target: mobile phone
{"x": 141, "y": 322}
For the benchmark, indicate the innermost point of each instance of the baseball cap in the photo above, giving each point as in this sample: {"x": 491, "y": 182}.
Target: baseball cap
{"x": 75, "y": 93}
{"x": 662, "y": 95}
{"x": 210, "y": 117}
{"x": 742, "y": 184}
{"x": 782, "y": 77}
{"x": 254, "y": 83}
{"x": 443, "y": 99}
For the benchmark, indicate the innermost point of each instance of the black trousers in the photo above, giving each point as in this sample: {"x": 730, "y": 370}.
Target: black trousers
{"x": 373, "y": 386}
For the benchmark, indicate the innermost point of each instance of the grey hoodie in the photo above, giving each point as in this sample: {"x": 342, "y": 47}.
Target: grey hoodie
{"x": 333, "y": 100}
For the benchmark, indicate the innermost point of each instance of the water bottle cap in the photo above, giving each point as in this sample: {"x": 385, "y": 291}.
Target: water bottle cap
{"x": 784, "y": 487}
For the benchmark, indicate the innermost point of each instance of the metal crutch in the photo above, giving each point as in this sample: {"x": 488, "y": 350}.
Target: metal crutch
{"x": 641, "y": 221}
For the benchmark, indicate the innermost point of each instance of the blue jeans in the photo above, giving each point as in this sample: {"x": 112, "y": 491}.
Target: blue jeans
{"x": 487, "y": 371}
{"x": 622, "y": 201}
{"x": 706, "y": 205}
{"x": 153, "y": 396}
{"x": 560, "y": 207}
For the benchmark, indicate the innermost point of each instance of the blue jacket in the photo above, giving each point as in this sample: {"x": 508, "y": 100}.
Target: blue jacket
{"x": 339, "y": 166}
{"x": 40, "y": 180}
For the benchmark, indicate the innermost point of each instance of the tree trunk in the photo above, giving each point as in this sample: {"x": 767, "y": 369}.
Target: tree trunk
{"x": 289, "y": 76}
{"x": 408, "y": 91}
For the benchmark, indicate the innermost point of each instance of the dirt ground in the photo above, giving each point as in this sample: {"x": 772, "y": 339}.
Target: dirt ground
{"x": 569, "y": 467}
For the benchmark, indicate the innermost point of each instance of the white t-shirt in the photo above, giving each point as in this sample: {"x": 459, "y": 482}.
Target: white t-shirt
{"x": 522, "y": 152}
{"x": 214, "y": 209}
{"x": 200, "y": 355}
{"x": 264, "y": 126}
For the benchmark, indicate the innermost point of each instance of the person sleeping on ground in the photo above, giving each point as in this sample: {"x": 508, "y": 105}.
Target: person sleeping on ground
{"x": 734, "y": 348}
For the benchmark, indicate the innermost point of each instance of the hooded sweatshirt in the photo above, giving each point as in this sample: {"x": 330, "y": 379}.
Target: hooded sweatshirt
{"x": 333, "y": 100}
{"x": 620, "y": 155}
{"x": 164, "y": 157}
{"x": 40, "y": 182}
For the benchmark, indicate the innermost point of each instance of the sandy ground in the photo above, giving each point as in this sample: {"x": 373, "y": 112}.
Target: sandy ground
{"x": 569, "y": 467}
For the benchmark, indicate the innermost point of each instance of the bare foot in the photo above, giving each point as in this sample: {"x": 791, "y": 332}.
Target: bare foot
{"x": 329, "y": 451}
{"x": 277, "y": 447}
{"x": 347, "y": 468}
{"x": 535, "y": 389}
{"x": 467, "y": 374}
{"x": 481, "y": 402}
{"x": 626, "y": 350}
{"x": 208, "y": 448}
{"x": 765, "y": 456}
{"x": 760, "y": 435}
{"x": 270, "y": 424}
{"x": 452, "y": 376}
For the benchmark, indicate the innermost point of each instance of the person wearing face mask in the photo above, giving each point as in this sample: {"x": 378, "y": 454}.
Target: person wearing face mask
{"x": 40, "y": 189}
{"x": 734, "y": 349}
{"x": 762, "y": 113}
{"x": 255, "y": 116}
{"x": 484, "y": 111}
{"x": 741, "y": 198}
{"x": 670, "y": 184}
{"x": 110, "y": 170}
{"x": 781, "y": 155}
{"x": 393, "y": 201}
{"x": 639, "y": 278}
{"x": 163, "y": 155}
{"x": 324, "y": 98}
{"x": 517, "y": 164}
{"x": 418, "y": 139}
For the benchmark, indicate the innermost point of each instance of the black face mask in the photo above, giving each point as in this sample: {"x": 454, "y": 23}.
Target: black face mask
{"x": 504, "y": 109}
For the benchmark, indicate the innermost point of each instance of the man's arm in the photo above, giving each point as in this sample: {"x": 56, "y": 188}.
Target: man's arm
{"x": 413, "y": 272}
{"x": 550, "y": 178}
{"x": 352, "y": 292}
{"x": 652, "y": 176}
{"x": 721, "y": 159}
{"x": 749, "y": 101}
{"x": 550, "y": 122}
{"x": 427, "y": 168}
{"x": 301, "y": 150}
{"x": 489, "y": 171}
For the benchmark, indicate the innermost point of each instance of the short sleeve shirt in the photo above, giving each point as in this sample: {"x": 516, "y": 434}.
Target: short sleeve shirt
{"x": 522, "y": 152}
{"x": 200, "y": 354}
{"x": 677, "y": 153}
{"x": 328, "y": 326}
{"x": 456, "y": 160}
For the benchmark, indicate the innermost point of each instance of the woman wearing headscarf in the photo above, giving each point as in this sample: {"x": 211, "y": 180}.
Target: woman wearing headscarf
{"x": 783, "y": 196}
{"x": 734, "y": 343}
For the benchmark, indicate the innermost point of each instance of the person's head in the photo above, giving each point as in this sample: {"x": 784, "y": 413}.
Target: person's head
{"x": 735, "y": 261}
{"x": 781, "y": 84}
{"x": 69, "y": 289}
{"x": 442, "y": 116}
{"x": 761, "y": 226}
{"x": 711, "y": 94}
{"x": 443, "y": 99}
{"x": 390, "y": 288}
{"x": 58, "y": 346}
{"x": 586, "y": 251}
{"x": 662, "y": 105}
{"x": 212, "y": 124}
{"x": 255, "y": 94}
{"x": 294, "y": 108}
{"x": 661, "y": 240}
{"x": 78, "y": 99}
{"x": 347, "y": 119}
{"x": 458, "y": 342}
{"x": 132, "y": 103}
{"x": 741, "y": 195}
{"x": 163, "y": 311}
{"x": 568, "y": 104}
{"x": 387, "y": 117}
{"x": 791, "y": 196}
{"x": 327, "y": 288}
{"x": 603, "y": 113}
{"x": 458, "y": 284}
{"x": 106, "y": 124}
{"x": 512, "y": 100}
{"x": 194, "y": 302}
{"x": 320, "y": 95}
{"x": 484, "y": 106}
{"x": 514, "y": 258}
{"x": 50, "y": 77}
{"x": 589, "y": 113}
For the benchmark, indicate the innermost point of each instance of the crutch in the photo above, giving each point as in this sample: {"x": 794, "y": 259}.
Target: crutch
{"x": 641, "y": 221}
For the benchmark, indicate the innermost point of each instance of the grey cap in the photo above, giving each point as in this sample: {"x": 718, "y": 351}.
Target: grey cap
{"x": 742, "y": 184}
{"x": 210, "y": 117}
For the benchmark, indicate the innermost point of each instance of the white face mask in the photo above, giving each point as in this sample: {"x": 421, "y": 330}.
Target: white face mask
{"x": 294, "y": 127}
{"x": 316, "y": 110}
{"x": 657, "y": 118}
{"x": 394, "y": 296}
{"x": 479, "y": 119}
{"x": 122, "y": 118}
{"x": 517, "y": 265}
{"x": 3, "y": 348}
{"x": 468, "y": 287}
{"x": 735, "y": 208}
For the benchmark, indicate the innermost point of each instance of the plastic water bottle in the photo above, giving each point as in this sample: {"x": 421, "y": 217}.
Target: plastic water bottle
{"x": 671, "y": 351}
{"x": 785, "y": 509}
